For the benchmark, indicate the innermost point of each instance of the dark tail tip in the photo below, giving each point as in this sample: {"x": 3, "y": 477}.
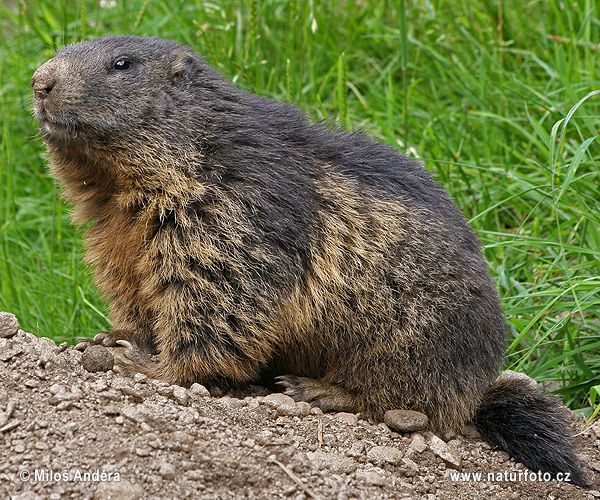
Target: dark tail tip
{"x": 531, "y": 426}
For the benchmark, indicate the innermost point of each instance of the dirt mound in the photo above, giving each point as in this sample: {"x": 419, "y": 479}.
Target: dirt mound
{"x": 69, "y": 433}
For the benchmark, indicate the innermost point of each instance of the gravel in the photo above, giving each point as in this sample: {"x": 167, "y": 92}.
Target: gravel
{"x": 70, "y": 432}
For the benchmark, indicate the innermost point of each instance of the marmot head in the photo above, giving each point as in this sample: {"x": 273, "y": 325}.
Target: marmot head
{"x": 119, "y": 110}
{"x": 121, "y": 92}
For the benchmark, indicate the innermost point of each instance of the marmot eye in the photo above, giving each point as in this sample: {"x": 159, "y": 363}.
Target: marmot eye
{"x": 122, "y": 64}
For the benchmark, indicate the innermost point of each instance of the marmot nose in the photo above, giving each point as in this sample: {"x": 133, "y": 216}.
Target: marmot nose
{"x": 43, "y": 81}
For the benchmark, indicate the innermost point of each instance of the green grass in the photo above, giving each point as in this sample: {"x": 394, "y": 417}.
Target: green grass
{"x": 495, "y": 96}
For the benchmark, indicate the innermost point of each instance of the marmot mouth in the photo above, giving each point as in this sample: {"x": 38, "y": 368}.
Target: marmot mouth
{"x": 53, "y": 130}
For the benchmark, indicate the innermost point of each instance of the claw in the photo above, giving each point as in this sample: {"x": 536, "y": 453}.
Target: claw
{"x": 83, "y": 344}
{"x": 104, "y": 339}
{"x": 124, "y": 343}
{"x": 286, "y": 381}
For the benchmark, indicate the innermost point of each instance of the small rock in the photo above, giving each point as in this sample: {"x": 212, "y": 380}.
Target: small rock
{"x": 164, "y": 389}
{"x": 356, "y": 450}
{"x": 133, "y": 413}
{"x": 349, "y": 418}
{"x": 31, "y": 383}
{"x": 199, "y": 391}
{"x": 289, "y": 410}
{"x": 410, "y": 465}
{"x": 370, "y": 477}
{"x": 405, "y": 420}
{"x": 64, "y": 405}
{"x": 140, "y": 378}
{"x": 167, "y": 470}
{"x": 277, "y": 399}
{"x": 417, "y": 445}
{"x": 442, "y": 450}
{"x": 143, "y": 451}
{"x": 137, "y": 396}
{"x": 9, "y": 349}
{"x": 46, "y": 349}
{"x": 304, "y": 408}
{"x": 381, "y": 455}
{"x": 118, "y": 490}
{"x": 195, "y": 475}
{"x": 97, "y": 358}
{"x": 9, "y": 325}
{"x": 180, "y": 394}
{"x": 182, "y": 437}
{"x": 337, "y": 464}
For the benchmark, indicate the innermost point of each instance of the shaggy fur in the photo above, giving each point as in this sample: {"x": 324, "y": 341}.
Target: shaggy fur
{"x": 238, "y": 240}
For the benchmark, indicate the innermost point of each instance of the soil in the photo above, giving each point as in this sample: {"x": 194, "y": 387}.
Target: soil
{"x": 66, "y": 432}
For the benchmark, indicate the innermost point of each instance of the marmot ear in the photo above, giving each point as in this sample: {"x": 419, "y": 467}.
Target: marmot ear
{"x": 183, "y": 64}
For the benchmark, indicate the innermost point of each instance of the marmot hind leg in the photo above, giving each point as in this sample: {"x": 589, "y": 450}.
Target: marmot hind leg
{"x": 324, "y": 395}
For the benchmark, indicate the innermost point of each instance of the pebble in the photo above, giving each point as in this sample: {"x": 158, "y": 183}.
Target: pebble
{"x": 9, "y": 325}
{"x": 199, "y": 391}
{"x": 64, "y": 405}
{"x": 46, "y": 349}
{"x": 349, "y": 418}
{"x": 140, "y": 378}
{"x": 417, "y": 445}
{"x": 410, "y": 465}
{"x": 133, "y": 413}
{"x": 442, "y": 450}
{"x": 143, "y": 451}
{"x": 137, "y": 396}
{"x": 371, "y": 477}
{"x": 182, "y": 437}
{"x": 97, "y": 358}
{"x": 277, "y": 399}
{"x": 381, "y": 455}
{"x": 337, "y": 464}
{"x": 167, "y": 470}
{"x": 284, "y": 405}
{"x": 405, "y": 420}
{"x": 180, "y": 394}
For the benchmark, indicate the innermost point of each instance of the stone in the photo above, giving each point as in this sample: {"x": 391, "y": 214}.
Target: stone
{"x": 349, "y": 418}
{"x": 277, "y": 399}
{"x": 370, "y": 477}
{"x": 167, "y": 471}
{"x": 405, "y": 420}
{"x": 382, "y": 455}
{"x": 417, "y": 445}
{"x": 450, "y": 457}
{"x": 9, "y": 325}
{"x": 97, "y": 358}
{"x": 199, "y": 391}
{"x": 337, "y": 464}
{"x": 180, "y": 394}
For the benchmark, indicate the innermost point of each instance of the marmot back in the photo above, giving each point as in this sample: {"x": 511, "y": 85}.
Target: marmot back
{"x": 238, "y": 240}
